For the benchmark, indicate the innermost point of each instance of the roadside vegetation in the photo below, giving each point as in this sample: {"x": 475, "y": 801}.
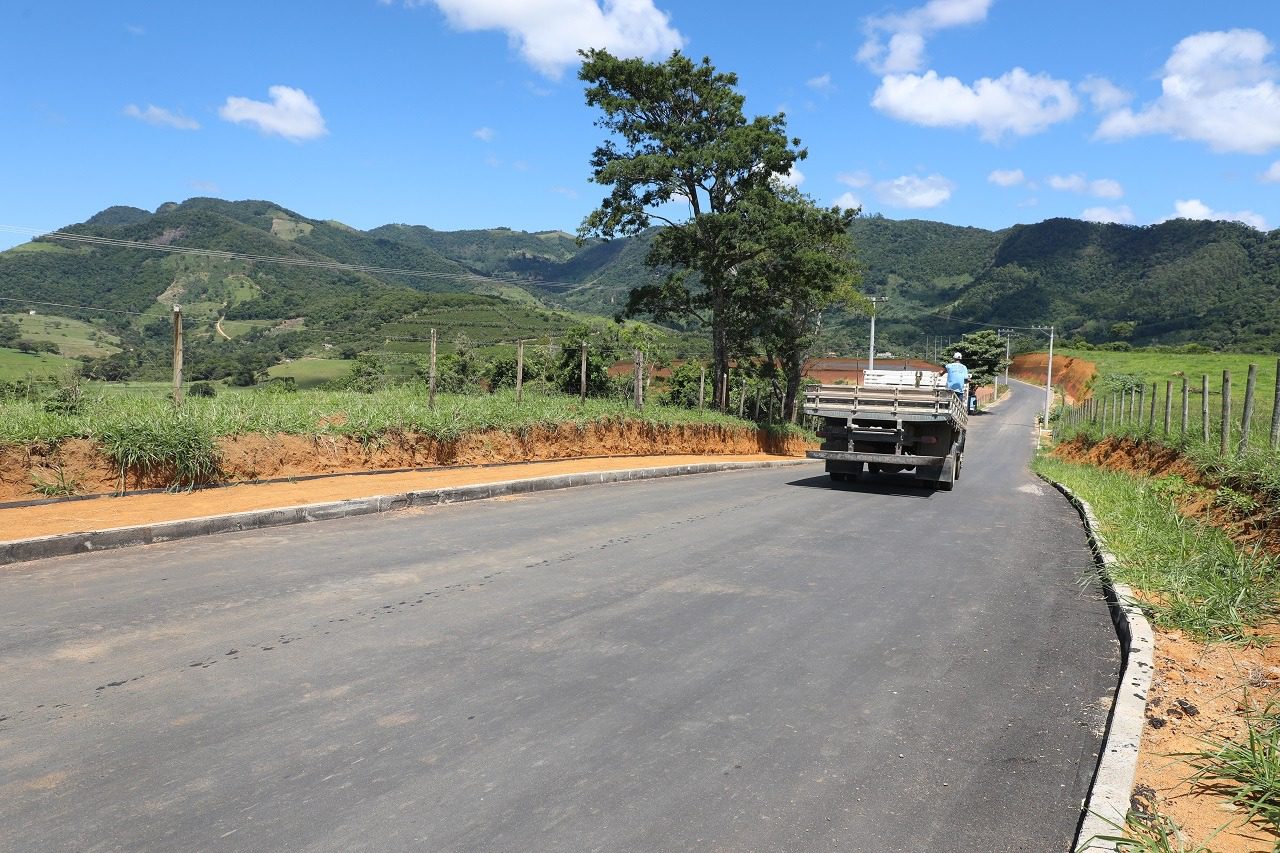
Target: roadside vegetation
{"x": 1193, "y": 576}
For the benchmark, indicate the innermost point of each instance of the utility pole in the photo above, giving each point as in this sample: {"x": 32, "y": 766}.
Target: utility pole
{"x": 1008, "y": 339}
{"x": 1048, "y": 382}
{"x": 874, "y": 300}
{"x": 177, "y": 354}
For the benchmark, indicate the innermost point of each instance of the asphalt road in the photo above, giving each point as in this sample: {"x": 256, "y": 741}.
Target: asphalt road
{"x": 749, "y": 661}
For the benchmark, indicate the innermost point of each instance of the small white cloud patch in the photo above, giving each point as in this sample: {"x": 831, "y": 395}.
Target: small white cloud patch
{"x": 291, "y": 114}
{"x": 1015, "y": 103}
{"x": 161, "y": 117}
{"x": 913, "y": 191}
{"x": 1194, "y": 208}
{"x": 1121, "y": 215}
{"x": 1007, "y": 177}
{"x": 549, "y": 33}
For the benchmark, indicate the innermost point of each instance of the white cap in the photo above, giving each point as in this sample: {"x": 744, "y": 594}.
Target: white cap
{"x": 957, "y": 356}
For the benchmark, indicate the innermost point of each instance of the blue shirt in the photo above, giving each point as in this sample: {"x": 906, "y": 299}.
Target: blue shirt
{"x": 957, "y": 373}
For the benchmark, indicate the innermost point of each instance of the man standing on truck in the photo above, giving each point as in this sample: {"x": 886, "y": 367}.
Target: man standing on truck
{"x": 957, "y": 376}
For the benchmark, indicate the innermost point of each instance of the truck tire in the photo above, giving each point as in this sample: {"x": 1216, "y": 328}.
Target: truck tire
{"x": 947, "y": 479}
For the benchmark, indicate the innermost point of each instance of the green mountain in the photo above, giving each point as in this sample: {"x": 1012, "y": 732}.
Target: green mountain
{"x": 259, "y": 283}
{"x": 329, "y": 286}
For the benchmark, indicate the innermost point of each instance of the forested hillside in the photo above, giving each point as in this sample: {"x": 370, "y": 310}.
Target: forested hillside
{"x": 1182, "y": 281}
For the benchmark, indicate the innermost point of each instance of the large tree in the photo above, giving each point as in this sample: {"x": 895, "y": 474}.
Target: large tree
{"x": 678, "y": 134}
{"x": 983, "y": 353}
{"x": 806, "y": 267}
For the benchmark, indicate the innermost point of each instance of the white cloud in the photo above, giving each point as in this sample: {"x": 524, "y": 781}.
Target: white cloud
{"x": 1077, "y": 183}
{"x": 1016, "y": 102}
{"x": 565, "y": 191}
{"x": 1103, "y": 94}
{"x": 206, "y": 187}
{"x": 821, "y": 83}
{"x": 549, "y": 33}
{"x": 1218, "y": 89}
{"x": 914, "y": 192}
{"x": 161, "y": 117}
{"x": 1121, "y": 215}
{"x": 895, "y": 43}
{"x": 793, "y": 178}
{"x": 291, "y": 114}
{"x": 1194, "y": 208}
{"x": 1272, "y": 175}
{"x": 857, "y": 180}
{"x": 484, "y": 134}
{"x": 1007, "y": 177}
{"x": 848, "y": 201}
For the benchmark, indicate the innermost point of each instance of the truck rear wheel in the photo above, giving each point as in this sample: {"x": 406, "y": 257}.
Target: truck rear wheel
{"x": 946, "y": 480}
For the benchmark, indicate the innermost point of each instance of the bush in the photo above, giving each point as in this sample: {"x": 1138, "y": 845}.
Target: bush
{"x": 201, "y": 389}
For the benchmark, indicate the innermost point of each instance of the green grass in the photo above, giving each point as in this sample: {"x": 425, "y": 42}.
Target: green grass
{"x": 1200, "y": 582}
{"x": 16, "y": 365}
{"x": 150, "y": 434}
{"x": 1159, "y": 368}
{"x": 73, "y": 337}
{"x": 236, "y": 328}
{"x": 310, "y": 372}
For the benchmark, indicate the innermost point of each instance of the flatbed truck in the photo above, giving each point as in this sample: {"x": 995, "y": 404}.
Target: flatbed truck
{"x": 894, "y": 421}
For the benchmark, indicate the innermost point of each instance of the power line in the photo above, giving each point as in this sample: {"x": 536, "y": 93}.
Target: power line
{"x": 78, "y": 307}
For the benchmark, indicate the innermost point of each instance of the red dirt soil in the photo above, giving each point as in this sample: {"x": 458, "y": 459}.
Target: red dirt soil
{"x": 280, "y": 457}
{"x": 84, "y": 469}
{"x": 1072, "y": 375}
{"x": 1219, "y": 681}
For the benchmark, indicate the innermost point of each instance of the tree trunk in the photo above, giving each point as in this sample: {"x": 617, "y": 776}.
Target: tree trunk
{"x": 719, "y": 348}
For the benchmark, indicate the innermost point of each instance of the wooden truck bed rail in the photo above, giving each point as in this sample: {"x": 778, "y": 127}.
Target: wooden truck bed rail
{"x": 892, "y": 402}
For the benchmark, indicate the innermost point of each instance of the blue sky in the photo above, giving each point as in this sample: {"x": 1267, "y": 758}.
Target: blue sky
{"x": 468, "y": 114}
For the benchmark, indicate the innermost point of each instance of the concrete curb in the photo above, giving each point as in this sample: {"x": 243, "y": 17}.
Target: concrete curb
{"x": 1107, "y": 805}
{"x": 63, "y": 544}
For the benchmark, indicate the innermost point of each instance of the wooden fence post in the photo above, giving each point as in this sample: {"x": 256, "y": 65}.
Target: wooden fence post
{"x": 742, "y": 398}
{"x": 583, "y": 380}
{"x": 1247, "y": 415}
{"x": 177, "y": 354}
{"x": 1168, "y": 405}
{"x": 639, "y": 379}
{"x": 431, "y": 374}
{"x": 1275, "y": 413}
{"x": 1226, "y": 412}
{"x": 702, "y": 385}
{"x": 1186, "y": 406}
{"x": 519, "y": 371}
{"x": 1204, "y": 407}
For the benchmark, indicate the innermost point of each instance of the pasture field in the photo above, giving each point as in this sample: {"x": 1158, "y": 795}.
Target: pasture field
{"x": 1158, "y": 367}
{"x": 16, "y": 365}
{"x": 310, "y": 372}
{"x": 73, "y": 337}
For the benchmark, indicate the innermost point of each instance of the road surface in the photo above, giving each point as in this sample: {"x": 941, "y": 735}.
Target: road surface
{"x": 749, "y": 661}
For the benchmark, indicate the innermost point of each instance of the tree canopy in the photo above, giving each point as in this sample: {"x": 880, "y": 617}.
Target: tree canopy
{"x": 678, "y": 134}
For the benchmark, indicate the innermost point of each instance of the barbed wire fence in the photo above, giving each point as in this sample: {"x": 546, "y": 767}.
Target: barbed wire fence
{"x": 1181, "y": 413}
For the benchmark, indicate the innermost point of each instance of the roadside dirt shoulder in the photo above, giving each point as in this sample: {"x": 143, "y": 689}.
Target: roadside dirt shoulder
{"x": 107, "y": 512}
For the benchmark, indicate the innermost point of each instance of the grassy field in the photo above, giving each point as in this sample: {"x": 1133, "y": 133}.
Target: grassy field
{"x": 236, "y": 328}
{"x": 73, "y": 337}
{"x": 310, "y": 372}
{"x": 16, "y": 365}
{"x": 1160, "y": 368}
